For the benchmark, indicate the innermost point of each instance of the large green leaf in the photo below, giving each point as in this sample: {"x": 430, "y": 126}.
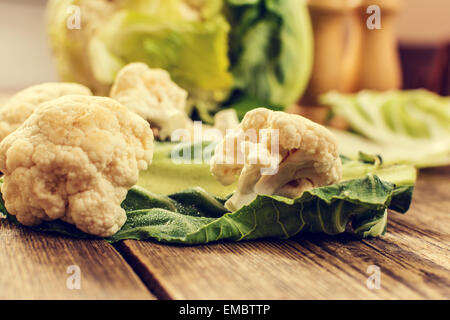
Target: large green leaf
{"x": 166, "y": 207}
{"x": 196, "y": 217}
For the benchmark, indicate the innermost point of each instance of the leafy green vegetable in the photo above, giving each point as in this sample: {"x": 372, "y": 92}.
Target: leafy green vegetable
{"x": 194, "y": 52}
{"x": 362, "y": 203}
{"x": 410, "y": 127}
{"x": 196, "y": 217}
{"x": 188, "y": 41}
{"x": 271, "y": 48}
{"x": 261, "y": 48}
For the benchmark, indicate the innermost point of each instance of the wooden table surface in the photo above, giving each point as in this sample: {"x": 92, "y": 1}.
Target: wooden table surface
{"x": 413, "y": 259}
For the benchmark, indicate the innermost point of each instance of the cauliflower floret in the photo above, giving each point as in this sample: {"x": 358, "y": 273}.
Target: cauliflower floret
{"x": 225, "y": 120}
{"x": 74, "y": 159}
{"x": 275, "y": 153}
{"x": 20, "y": 106}
{"x": 152, "y": 95}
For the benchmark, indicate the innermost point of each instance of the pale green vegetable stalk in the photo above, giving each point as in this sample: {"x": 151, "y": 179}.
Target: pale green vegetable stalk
{"x": 411, "y": 127}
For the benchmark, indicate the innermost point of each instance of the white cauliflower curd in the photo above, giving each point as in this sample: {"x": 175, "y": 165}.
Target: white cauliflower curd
{"x": 74, "y": 159}
{"x": 154, "y": 96}
{"x": 275, "y": 153}
{"x": 20, "y": 106}
{"x": 226, "y": 119}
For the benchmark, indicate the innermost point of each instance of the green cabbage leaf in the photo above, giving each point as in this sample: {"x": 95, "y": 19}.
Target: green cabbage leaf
{"x": 359, "y": 204}
{"x": 271, "y": 49}
{"x": 194, "y": 216}
{"x": 411, "y": 127}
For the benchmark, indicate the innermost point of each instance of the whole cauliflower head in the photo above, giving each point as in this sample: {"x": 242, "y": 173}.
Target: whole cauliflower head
{"x": 74, "y": 159}
{"x": 153, "y": 95}
{"x": 79, "y": 54}
{"x": 20, "y": 106}
{"x": 275, "y": 153}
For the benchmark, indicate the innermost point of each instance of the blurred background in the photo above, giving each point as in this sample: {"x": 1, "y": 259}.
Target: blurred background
{"x": 422, "y": 28}
{"x": 25, "y": 58}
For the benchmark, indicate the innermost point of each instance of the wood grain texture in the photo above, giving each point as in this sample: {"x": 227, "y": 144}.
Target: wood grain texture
{"x": 248, "y": 270}
{"x": 34, "y": 266}
{"x": 413, "y": 258}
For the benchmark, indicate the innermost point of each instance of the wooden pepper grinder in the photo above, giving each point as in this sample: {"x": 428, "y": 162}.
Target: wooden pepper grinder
{"x": 354, "y": 35}
{"x": 333, "y": 52}
{"x": 328, "y": 21}
{"x": 349, "y": 53}
{"x": 379, "y": 63}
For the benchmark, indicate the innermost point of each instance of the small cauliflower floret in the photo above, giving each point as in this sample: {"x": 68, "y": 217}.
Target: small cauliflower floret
{"x": 152, "y": 95}
{"x": 275, "y": 153}
{"x": 20, "y": 106}
{"x": 74, "y": 159}
{"x": 226, "y": 120}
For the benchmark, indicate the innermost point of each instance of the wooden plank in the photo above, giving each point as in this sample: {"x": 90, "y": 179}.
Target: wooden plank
{"x": 404, "y": 274}
{"x": 431, "y": 245}
{"x": 430, "y": 209}
{"x": 247, "y": 270}
{"x": 34, "y": 266}
{"x": 412, "y": 257}
{"x": 317, "y": 268}
{"x": 424, "y": 230}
